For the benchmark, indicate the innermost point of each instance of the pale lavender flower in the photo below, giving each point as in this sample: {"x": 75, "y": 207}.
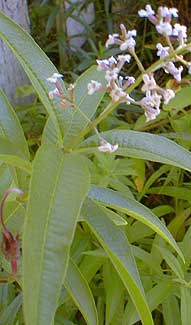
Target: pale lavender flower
{"x": 167, "y": 94}
{"x": 176, "y": 72}
{"x": 179, "y": 30}
{"x": 117, "y": 93}
{"x": 54, "y": 93}
{"x": 149, "y": 83}
{"x": 124, "y": 58}
{"x": 164, "y": 28}
{"x": 126, "y": 82}
{"x": 93, "y": 86}
{"x": 151, "y": 104}
{"x": 147, "y": 12}
{"x": 111, "y": 39}
{"x": 162, "y": 50}
{"x": 111, "y": 74}
{"x": 167, "y": 13}
{"x": 107, "y": 147}
{"x": 54, "y": 78}
{"x": 106, "y": 64}
{"x": 128, "y": 42}
{"x": 173, "y": 12}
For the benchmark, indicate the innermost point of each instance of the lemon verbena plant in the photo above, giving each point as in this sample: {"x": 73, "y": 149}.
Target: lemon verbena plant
{"x": 71, "y": 240}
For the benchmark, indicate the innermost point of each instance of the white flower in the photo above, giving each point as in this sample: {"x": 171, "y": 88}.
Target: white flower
{"x": 126, "y": 82}
{"x": 167, "y": 94}
{"x": 53, "y": 93}
{"x": 149, "y": 83}
{"x": 174, "y": 12}
{"x": 106, "y": 64}
{"x": 124, "y": 58}
{"x": 111, "y": 74}
{"x": 129, "y": 99}
{"x": 146, "y": 13}
{"x": 164, "y": 28}
{"x": 151, "y": 113}
{"x": 156, "y": 100}
{"x": 107, "y": 147}
{"x": 129, "y": 41}
{"x": 112, "y": 61}
{"x": 131, "y": 80}
{"x": 176, "y": 72}
{"x": 116, "y": 93}
{"x": 151, "y": 104}
{"x": 168, "y": 12}
{"x": 111, "y": 39}
{"x": 54, "y": 78}
{"x": 180, "y": 31}
{"x": 162, "y": 50}
{"x": 93, "y": 86}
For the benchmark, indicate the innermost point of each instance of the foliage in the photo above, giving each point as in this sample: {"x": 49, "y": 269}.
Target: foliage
{"x": 99, "y": 245}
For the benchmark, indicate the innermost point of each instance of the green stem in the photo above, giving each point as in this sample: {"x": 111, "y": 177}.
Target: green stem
{"x": 140, "y": 66}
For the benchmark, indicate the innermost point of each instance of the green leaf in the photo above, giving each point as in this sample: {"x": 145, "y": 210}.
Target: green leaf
{"x": 10, "y": 155}
{"x": 78, "y": 288}
{"x": 9, "y": 313}
{"x": 185, "y": 305}
{"x": 119, "y": 251}
{"x": 154, "y": 296}
{"x": 171, "y": 310}
{"x": 52, "y": 212}
{"x": 11, "y": 128}
{"x": 144, "y": 145}
{"x": 113, "y": 289}
{"x": 176, "y": 192}
{"x": 34, "y": 61}
{"x": 180, "y": 101}
{"x": 135, "y": 209}
{"x": 172, "y": 261}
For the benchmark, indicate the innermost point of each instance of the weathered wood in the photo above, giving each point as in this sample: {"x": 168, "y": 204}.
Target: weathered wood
{"x": 12, "y": 74}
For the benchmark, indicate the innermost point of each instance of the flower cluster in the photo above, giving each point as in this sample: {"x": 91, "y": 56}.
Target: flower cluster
{"x": 174, "y": 33}
{"x": 117, "y": 85}
{"x": 58, "y": 90}
{"x": 125, "y": 40}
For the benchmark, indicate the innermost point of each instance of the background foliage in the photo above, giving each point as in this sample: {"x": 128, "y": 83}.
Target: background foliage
{"x": 105, "y": 238}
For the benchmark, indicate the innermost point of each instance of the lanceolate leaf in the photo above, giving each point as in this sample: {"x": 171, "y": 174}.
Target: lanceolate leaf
{"x": 78, "y": 288}
{"x": 154, "y": 297}
{"x": 144, "y": 145}
{"x": 58, "y": 187}
{"x": 8, "y": 315}
{"x": 11, "y": 128}
{"x": 118, "y": 249}
{"x": 34, "y": 61}
{"x": 135, "y": 209}
{"x": 10, "y": 154}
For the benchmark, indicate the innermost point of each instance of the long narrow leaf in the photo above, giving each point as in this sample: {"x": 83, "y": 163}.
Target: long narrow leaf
{"x": 34, "y": 61}
{"x": 144, "y": 145}
{"x": 118, "y": 249}
{"x": 10, "y": 126}
{"x": 78, "y": 288}
{"x": 135, "y": 209}
{"x": 53, "y": 208}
